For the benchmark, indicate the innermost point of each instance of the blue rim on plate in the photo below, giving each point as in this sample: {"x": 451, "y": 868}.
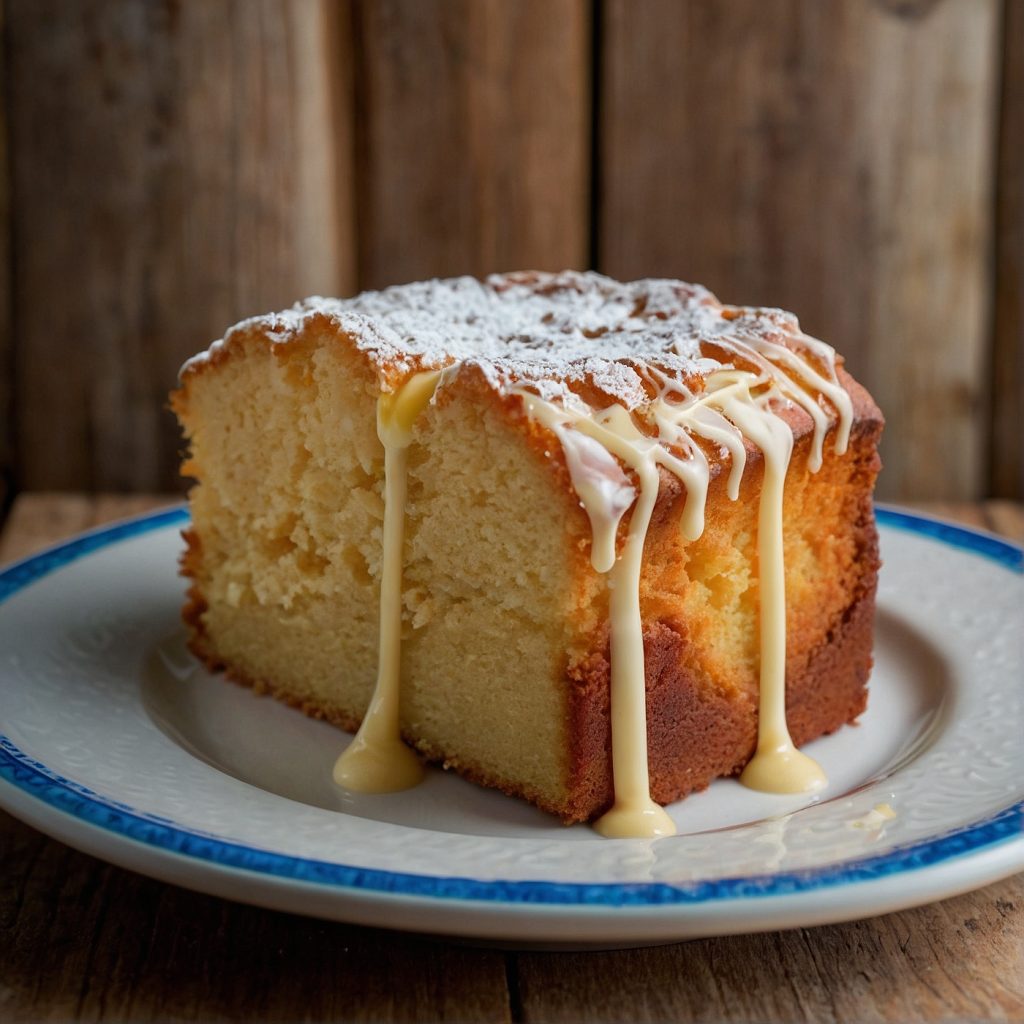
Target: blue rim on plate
{"x": 68, "y": 797}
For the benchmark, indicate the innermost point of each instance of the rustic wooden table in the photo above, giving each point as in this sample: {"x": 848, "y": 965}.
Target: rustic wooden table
{"x": 81, "y": 940}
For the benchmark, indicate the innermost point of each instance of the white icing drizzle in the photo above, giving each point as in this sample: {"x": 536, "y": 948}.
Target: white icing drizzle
{"x": 774, "y": 359}
{"x": 634, "y": 812}
{"x": 603, "y": 489}
{"x": 377, "y": 761}
{"x": 777, "y": 766}
{"x": 735, "y": 404}
{"x": 545, "y": 338}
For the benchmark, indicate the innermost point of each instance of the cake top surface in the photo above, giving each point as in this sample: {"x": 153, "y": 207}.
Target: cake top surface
{"x": 544, "y": 330}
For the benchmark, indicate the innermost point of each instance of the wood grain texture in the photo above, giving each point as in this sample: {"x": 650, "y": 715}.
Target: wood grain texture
{"x": 174, "y": 167}
{"x": 37, "y": 520}
{"x": 967, "y": 512}
{"x": 86, "y": 941}
{"x": 957, "y": 960}
{"x": 6, "y": 336}
{"x": 999, "y": 516}
{"x": 1006, "y": 518}
{"x": 835, "y": 159}
{"x": 475, "y": 137}
{"x": 1008, "y": 352}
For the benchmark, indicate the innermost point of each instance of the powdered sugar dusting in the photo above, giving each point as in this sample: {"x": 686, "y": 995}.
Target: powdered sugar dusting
{"x": 548, "y": 331}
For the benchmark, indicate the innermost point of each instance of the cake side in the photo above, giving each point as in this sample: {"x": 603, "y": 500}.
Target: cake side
{"x": 284, "y": 557}
{"x": 286, "y": 512}
{"x": 700, "y": 614}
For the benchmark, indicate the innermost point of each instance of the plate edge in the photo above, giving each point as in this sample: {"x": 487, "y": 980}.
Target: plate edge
{"x": 21, "y": 772}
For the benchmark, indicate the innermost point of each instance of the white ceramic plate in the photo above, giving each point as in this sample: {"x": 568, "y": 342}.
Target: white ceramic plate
{"x": 113, "y": 740}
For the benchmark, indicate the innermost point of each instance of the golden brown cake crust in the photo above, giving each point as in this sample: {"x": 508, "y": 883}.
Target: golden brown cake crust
{"x": 696, "y": 734}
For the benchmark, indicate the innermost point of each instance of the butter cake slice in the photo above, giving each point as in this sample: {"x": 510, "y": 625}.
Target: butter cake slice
{"x": 592, "y": 543}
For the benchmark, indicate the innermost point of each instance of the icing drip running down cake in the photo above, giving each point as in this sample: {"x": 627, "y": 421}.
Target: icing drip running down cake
{"x": 594, "y": 544}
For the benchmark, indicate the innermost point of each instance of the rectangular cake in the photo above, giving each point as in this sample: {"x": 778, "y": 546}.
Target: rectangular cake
{"x": 584, "y": 602}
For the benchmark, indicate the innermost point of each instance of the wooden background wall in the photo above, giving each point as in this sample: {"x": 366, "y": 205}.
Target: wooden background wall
{"x": 169, "y": 167}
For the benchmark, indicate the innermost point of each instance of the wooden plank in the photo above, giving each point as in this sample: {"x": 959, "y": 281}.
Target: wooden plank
{"x": 37, "y": 520}
{"x": 836, "y": 159}
{"x": 1006, "y": 518}
{"x": 1000, "y": 516}
{"x": 84, "y": 940}
{"x": 970, "y": 513}
{"x": 174, "y": 167}
{"x": 956, "y": 960}
{"x": 1008, "y": 355}
{"x": 476, "y": 137}
{"x": 6, "y": 339}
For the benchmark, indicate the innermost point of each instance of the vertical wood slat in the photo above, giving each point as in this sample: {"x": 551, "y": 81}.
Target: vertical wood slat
{"x": 6, "y": 339}
{"x": 1008, "y": 343}
{"x": 174, "y": 169}
{"x": 475, "y": 138}
{"x": 835, "y": 159}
